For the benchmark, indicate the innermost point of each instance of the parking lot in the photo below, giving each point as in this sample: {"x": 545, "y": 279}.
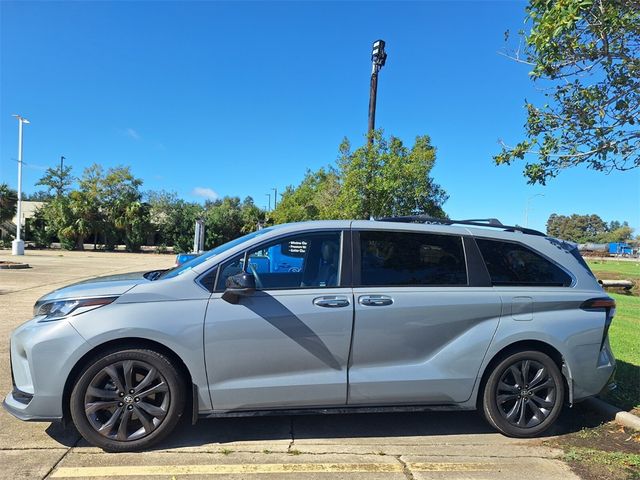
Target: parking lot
{"x": 403, "y": 446}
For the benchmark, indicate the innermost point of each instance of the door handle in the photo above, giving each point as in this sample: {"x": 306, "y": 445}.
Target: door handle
{"x": 375, "y": 300}
{"x": 331, "y": 302}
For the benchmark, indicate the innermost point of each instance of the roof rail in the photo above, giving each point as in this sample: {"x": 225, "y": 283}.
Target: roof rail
{"x": 476, "y": 222}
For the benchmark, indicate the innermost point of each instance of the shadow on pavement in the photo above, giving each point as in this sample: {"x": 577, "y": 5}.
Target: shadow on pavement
{"x": 66, "y": 434}
{"x": 343, "y": 426}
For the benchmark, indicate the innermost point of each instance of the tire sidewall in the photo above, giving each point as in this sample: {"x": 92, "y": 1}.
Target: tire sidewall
{"x": 490, "y": 406}
{"x": 176, "y": 405}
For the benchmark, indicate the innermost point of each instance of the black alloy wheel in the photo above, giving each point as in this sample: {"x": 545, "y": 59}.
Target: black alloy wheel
{"x": 524, "y": 394}
{"x": 127, "y": 400}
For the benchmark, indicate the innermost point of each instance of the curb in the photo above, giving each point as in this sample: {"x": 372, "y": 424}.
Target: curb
{"x": 621, "y": 417}
{"x": 13, "y": 266}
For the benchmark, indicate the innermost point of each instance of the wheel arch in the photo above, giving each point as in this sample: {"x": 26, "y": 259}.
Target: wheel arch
{"x": 520, "y": 346}
{"x": 122, "y": 344}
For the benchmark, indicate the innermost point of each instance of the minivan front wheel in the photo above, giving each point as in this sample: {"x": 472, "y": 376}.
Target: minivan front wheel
{"x": 127, "y": 400}
{"x": 524, "y": 394}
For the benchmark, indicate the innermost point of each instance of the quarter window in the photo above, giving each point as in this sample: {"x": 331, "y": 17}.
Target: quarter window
{"x": 512, "y": 264}
{"x": 398, "y": 258}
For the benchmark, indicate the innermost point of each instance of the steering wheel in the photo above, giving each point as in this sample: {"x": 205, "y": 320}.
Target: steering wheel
{"x": 253, "y": 271}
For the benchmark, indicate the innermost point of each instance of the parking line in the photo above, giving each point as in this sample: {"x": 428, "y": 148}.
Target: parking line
{"x": 280, "y": 468}
{"x": 449, "y": 467}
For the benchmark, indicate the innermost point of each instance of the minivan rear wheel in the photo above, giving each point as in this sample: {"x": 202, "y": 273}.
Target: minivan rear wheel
{"x": 524, "y": 394}
{"x": 127, "y": 400}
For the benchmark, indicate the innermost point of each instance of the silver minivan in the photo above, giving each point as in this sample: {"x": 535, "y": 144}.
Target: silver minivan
{"x": 329, "y": 316}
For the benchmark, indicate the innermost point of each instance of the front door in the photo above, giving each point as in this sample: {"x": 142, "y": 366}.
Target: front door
{"x": 421, "y": 327}
{"x": 286, "y": 345}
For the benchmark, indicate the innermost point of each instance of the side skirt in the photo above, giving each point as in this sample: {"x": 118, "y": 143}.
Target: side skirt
{"x": 334, "y": 410}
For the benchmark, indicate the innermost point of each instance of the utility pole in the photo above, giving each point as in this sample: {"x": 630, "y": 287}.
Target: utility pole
{"x": 17, "y": 246}
{"x": 275, "y": 197}
{"x": 378, "y": 59}
{"x": 526, "y": 210}
{"x": 61, "y": 185}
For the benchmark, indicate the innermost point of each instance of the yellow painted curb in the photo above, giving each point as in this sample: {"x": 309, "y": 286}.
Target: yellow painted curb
{"x": 231, "y": 469}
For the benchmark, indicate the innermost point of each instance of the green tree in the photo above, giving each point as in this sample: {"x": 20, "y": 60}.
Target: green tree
{"x": 386, "y": 178}
{"x": 82, "y": 216}
{"x": 618, "y": 232}
{"x": 107, "y": 204}
{"x": 121, "y": 202}
{"x": 41, "y": 232}
{"x": 60, "y": 222}
{"x": 133, "y": 222}
{"x": 88, "y": 206}
{"x": 183, "y": 216}
{"x": 587, "y": 228}
{"x": 313, "y": 199}
{"x": 162, "y": 205}
{"x": 228, "y": 218}
{"x": 39, "y": 196}
{"x": 251, "y": 216}
{"x": 586, "y": 56}
{"x": 8, "y": 202}
{"x": 58, "y": 180}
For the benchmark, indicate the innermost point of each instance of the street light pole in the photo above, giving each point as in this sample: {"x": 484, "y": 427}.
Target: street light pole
{"x": 378, "y": 59}
{"x": 17, "y": 246}
{"x": 526, "y": 210}
{"x": 275, "y": 197}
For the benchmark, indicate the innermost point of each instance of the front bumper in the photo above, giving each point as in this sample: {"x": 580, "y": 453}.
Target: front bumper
{"x": 42, "y": 356}
{"x": 20, "y": 410}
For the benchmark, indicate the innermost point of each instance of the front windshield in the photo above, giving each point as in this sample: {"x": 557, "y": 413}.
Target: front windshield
{"x": 186, "y": 266}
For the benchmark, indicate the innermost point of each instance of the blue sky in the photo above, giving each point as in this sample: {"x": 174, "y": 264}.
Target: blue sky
{"x": 240, "y": 97}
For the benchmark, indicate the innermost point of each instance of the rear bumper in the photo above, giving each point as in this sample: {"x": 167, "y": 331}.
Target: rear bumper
{"x": 589, "y": 382}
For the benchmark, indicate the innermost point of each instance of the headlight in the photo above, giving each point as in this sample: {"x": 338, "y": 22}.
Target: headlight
{"x": 59, "y": 309}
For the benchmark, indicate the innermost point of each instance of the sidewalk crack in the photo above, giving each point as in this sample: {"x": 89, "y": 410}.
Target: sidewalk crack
{"x": 291, "y": 434}
{"x": 405, "y": 468}
{"x": 53, "y": 467}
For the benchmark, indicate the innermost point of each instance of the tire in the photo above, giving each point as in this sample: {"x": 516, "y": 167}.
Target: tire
{"x": 127, "y": 400}
{"x": 524, "y": 394}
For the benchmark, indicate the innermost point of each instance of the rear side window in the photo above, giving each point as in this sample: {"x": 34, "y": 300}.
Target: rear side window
{"x": 512, "y": 264}
{"x": 398, "y": 258}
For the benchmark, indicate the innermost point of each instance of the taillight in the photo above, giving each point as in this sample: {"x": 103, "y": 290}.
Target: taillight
{"x": 602, "y": 303}
{"x": 597, "y": 303}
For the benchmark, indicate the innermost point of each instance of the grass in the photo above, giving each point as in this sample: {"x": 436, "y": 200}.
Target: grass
{"x": 628, "y": 463}
{"x": 603, "y": 451}
{"x": 626, "y": 270}
{"x": 624, "y": 334}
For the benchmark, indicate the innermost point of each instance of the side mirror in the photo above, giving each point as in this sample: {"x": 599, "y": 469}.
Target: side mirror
{"x": 240, "y": 285}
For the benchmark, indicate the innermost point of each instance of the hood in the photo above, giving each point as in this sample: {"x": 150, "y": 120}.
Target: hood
{"x": 110, "y": 285}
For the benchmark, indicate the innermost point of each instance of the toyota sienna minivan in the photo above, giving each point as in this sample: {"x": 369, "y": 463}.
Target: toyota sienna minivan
{"x": 325, "y": 316}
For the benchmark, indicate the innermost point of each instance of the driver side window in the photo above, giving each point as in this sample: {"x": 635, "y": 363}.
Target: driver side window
{"x": 298, "y": 261}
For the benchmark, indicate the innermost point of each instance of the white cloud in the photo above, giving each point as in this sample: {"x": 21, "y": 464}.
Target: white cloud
{"x": 130, "y": 132}
{"x": 206, "y": 193}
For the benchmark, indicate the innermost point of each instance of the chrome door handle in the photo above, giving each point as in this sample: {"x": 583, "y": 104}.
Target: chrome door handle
{"x": 331, "y": 302}
{"x": 375, "y": 300}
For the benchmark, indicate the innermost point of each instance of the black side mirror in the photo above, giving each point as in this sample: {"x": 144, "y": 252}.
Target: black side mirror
{"x": 239, "y": 285}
